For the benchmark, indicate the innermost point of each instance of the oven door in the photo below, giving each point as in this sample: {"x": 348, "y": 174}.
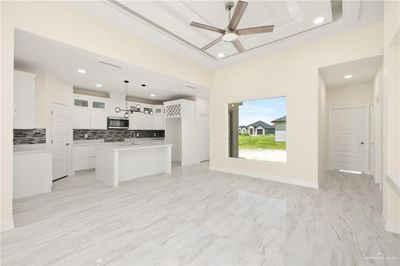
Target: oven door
{"x": 117, "y": 123}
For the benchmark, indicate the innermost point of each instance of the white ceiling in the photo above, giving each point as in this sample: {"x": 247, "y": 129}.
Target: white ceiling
{"x": 362, "y": 71}
{"x": 166, "y": 23}
{"x": 41, "y": 55}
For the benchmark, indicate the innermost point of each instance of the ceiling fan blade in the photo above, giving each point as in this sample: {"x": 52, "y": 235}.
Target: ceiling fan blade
{"x": 255, "y": 30}
{"x": 208, "y": 46}
{"x": 237, "y": 15}
{"x": 238, "y": 45}
{"x": 206, "y": 27}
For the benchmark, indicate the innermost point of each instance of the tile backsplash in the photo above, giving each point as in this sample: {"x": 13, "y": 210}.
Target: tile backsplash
{"x": 29, "y": 136}
{"x": 113, "y": 135}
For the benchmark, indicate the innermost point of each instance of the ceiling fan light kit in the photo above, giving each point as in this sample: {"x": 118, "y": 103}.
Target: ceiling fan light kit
{"x": 231, "y": 33}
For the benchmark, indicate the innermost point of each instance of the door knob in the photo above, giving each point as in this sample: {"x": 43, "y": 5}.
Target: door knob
{"x": 66, "y": 144}
{"x": 362, "y": 142}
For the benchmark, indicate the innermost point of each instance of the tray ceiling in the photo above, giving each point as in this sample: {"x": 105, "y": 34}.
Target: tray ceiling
{"x": 167, "y": 24}
{"x": 289, "y": 18}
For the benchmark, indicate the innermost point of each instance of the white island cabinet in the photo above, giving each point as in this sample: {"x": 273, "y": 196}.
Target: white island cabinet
{"x": 122, "y": 162}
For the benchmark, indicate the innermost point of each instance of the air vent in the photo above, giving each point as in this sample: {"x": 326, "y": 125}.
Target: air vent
{"x": 109, "y": 64}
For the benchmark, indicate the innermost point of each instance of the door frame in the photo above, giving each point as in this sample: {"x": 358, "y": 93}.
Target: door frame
{"x": 367, "y": 133}
{"x": 208, "y": 136}
{"x": 52, "y": 104}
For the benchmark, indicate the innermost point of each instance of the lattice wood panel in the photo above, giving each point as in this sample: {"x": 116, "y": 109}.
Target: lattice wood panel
{"x": 173, "y": 110}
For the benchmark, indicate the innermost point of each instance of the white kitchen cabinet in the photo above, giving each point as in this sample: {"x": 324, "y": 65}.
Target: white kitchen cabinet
{"x": 135, "y": 121}
{"x": 80, "y": 158}
{"x": 89, "y": 113}
{"x": 98, "y": 119}
{"x": 158, "y": 117}
{"x": 180, "y": 124}
{"x": 83, "y": 157}
{"x": 81, "y": 118}
{"x": 148, "y": 117}
{"x": 24, "y": 100}
{"x": 147, "y": 122}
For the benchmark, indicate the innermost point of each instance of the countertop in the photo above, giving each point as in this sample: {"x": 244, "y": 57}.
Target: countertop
{"x": 31, "y": 148}
{"x": 127, "y": 147}
{"x": 101, "y": 142}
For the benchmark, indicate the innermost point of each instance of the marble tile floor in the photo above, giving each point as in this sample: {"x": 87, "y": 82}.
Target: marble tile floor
{"x": 202, "y": 217}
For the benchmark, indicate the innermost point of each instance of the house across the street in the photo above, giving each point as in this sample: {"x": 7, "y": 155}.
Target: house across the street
{"x": 257, "y": 128}
{"x": 280, "y": 129}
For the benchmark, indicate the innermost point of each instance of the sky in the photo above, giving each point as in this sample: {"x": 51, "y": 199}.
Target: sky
{"x": 265, "y": 110}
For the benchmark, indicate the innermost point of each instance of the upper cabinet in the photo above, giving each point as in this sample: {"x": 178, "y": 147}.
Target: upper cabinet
{"x": 159, "y": 117}
{"x": 24, "y": 100}
{"x": 89, "y": 112}
{"x": 92, "y": 112}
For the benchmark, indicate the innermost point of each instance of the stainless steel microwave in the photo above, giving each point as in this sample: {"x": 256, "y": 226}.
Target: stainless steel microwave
{"x": 117, "y": 123}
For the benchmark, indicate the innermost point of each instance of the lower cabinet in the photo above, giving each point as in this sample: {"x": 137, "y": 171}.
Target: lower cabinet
{"x": 83, "y": 158}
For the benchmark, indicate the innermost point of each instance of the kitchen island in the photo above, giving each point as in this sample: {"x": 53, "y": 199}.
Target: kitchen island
{"x": 123, "y": 162}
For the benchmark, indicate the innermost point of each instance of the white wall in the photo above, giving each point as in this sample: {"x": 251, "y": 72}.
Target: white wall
{"x": 51, "y": 90}
{"x": 202, "y": 108}
{"x": 360, "y": 94}
{"x": 391, "y": 119}
{"x": 376, "y": 135}
{"x": 292, "y": 73}
{"x": 56, "y": 20}
{"x": 322, "y": 128}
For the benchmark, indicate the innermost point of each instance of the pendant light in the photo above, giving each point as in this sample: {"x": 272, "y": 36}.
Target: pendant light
{"x": 126, "y": 110}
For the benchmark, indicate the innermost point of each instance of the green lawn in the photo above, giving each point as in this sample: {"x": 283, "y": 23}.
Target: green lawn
{"x": 260, "y": 142}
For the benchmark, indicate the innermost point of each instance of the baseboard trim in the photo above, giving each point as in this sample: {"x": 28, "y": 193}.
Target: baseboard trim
{"x": 390, "y": 227}
{"x": 7, "y": 225}
{"x": 391, "y": 181}
{"x": 266, "y": 177}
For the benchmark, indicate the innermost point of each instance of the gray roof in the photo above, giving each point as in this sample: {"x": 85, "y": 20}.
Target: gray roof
{"x": 280, "y": 119}
{"x": 261, "y": 124}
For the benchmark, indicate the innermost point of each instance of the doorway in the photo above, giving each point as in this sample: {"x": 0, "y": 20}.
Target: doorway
{"x": 349, "y": 138}
{"x": 59, "y": 140}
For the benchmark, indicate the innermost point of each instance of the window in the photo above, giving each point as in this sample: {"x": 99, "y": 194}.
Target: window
{"x": 99, "y": 105}
{"x": 81, "y": 103}
{"x": 257, "y": 129}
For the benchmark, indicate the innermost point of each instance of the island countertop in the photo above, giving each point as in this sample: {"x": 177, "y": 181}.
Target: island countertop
{"x": 127, "y": 147}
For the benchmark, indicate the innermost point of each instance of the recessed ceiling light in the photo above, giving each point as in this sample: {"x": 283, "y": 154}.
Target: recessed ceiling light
{"x": 99, "y": 85}
{"x": 319, "y": 20}
{"x": 220, "y": 55}
{"x": 348, "y": 76}
{"x": 152, "y": 95}
{"x": 81, "y": 70}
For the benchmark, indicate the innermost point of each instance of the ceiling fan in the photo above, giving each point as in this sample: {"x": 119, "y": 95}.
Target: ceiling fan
{"x": 231, "y": 33}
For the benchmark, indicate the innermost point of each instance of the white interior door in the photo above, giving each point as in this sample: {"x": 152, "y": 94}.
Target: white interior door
{"x": 203, "y": 137}
{"x": 349, "y": 138}
{"x": 59, "y": 140}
